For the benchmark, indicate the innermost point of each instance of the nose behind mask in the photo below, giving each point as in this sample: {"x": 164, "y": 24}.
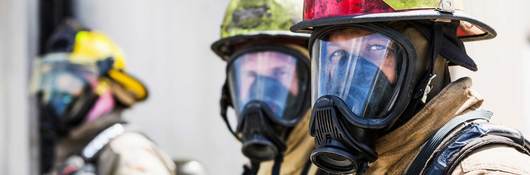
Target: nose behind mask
{"x": 367, "y": 77}
{"x": 373, "y": 86}
{"x": 271, "y": 92}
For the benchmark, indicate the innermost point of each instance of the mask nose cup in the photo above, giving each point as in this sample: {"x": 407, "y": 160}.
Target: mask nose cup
{"x": 259, "y": 148}
{"x": 334, "y": 158}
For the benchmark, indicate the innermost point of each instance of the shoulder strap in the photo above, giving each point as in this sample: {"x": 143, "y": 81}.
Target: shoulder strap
{"x": 492, "y": 139}
{"x": 277, "y": 164}
{"x": 96, "y": 145}
{"x": 307, "y": 166}
{"x": 489, "y": 135}
{"x": 428, "y": 148}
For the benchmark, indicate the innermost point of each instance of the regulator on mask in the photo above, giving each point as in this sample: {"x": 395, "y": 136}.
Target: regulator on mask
{"x": 268, "y": 88}
{"x": 362, "y": 83}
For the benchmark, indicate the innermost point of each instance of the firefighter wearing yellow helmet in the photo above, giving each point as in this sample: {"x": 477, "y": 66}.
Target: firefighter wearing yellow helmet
{"x": 82, "y": 88}
{"x": 267, "y": 84}
{"x": 383, "y": 99}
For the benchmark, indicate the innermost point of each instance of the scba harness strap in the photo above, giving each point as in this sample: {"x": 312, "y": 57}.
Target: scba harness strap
{"x": 474, "y": 137}
{"x": 84, "y": 163}
{"x": 442, "y": 158}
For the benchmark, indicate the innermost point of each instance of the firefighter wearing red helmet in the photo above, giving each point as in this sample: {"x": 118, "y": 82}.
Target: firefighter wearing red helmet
{"x": 383, "y": 99}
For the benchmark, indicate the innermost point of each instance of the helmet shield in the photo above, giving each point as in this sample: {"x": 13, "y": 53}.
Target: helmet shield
{"x": 277, "y": 79}
{"x": 359, "y": 66}
{"x": 60, "y": 83}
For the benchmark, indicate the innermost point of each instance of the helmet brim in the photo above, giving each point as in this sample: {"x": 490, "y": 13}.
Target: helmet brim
{"x": 485, "y": 31}
{"x": 224, "y": 47}
{"x": 136, "y": 89}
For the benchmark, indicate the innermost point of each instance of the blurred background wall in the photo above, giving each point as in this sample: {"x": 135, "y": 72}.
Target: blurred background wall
{"x": 167, "y": 44}
{"x": 503, "y": 63}
{"x": 17, "y": 48}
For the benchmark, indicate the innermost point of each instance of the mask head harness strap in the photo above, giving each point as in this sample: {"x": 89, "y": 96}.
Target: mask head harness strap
{"x": 224, "y": 103}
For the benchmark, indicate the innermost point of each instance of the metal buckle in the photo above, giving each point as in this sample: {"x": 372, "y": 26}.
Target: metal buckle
{"x": 428, "y": 89}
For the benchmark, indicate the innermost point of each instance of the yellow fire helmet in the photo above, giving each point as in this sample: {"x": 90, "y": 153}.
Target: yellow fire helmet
{"x": 91, "y": 47}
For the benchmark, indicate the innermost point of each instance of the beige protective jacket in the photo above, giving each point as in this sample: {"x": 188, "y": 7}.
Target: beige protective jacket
{"x": 130, "y": 153}
{"x": 398, "y": 149}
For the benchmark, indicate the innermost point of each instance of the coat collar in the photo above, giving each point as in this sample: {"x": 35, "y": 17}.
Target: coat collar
{"x": 397, "y": 149}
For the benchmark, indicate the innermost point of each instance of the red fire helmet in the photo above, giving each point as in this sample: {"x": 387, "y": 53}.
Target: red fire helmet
{"x": 320, "y": 13}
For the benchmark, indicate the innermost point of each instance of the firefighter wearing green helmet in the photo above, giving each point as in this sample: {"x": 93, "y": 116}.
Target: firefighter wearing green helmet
{"x": 267, "y": 85}
{"x": 383, "y": 99}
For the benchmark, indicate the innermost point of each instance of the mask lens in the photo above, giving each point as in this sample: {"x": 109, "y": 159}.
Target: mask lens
{"x": 60, "y": 82}
{"x": 274, "y": 78}
{"x": 334, "y": 159}
{"x": 259, "y": 148}
{"x": 360, "y": 67}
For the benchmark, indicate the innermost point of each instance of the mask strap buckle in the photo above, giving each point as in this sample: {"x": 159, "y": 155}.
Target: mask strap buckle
{"x": 426, "y": 84}
{"x": 428, "y": 88}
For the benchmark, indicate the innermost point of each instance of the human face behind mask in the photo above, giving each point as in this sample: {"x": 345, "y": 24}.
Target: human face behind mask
{"x": 374, "y": 47}
{"x": 69, "y": 93}
{"x": 358, "y": 66}
{"x": 269, "y": 89}
{"x": 65, "y": 90}
{"x": 269, "y": 76}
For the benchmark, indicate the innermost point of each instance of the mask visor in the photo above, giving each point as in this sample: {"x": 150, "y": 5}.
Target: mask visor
{"x": 59, "y": 82}
{"x": 359, "y": 66}
{"x": 274, "y": 78}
